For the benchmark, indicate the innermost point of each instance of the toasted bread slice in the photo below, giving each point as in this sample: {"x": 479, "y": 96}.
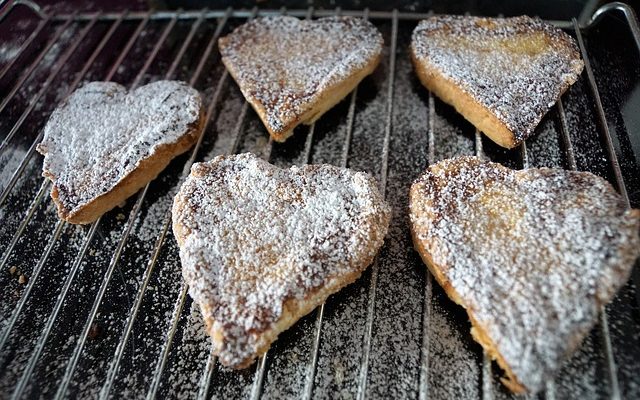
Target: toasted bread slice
{"x": 501, "y": 74}
{"x": 262, "y": 246}
{"x": 292, "y": 71}
{"x": 102, "y": 144}
{"x": 531, "y": 255}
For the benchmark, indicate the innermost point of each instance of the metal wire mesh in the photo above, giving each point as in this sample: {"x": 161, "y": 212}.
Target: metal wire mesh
{"x": 101, "y": 311}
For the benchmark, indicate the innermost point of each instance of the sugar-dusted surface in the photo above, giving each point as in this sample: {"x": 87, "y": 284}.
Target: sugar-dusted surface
{"x": 254, "y": 236}
{"x": 454, "y": 372}
{"x": 515, "y": 67}
{"x": 101, "y": 133}
{"x": 284, "y": 64}
{"x": 515, "y": 226}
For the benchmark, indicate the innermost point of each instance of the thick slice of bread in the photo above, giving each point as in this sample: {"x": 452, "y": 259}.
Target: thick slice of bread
{"x": 501, "y": 74}
{"x": 102, "y": 144}
{"x": 292, "y": 71}
{"x": 262, "y": 246}
{"x": 531, "y": 255}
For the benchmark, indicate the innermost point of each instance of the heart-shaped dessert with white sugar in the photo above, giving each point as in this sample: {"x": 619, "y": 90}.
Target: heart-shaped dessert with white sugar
{"x": 532, "y": 255}
{"x": 103, "y": 144}
{"x": 292, "y": 71}
{"x": 262, "y": 246}
{"x": 501, "y": 74}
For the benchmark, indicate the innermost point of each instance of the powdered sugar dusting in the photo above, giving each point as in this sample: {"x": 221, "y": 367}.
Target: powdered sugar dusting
{"x": 515, "y": 67}
{"x": 253, "y": 236}
{"x": 543, "y": 249}
{"x": 101, "y": 133}
{"x": 284, "y": 64}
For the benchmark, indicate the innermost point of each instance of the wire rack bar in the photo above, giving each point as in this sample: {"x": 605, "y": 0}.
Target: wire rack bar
{"x": 423, "y": 384}
{"x": 23, "y": 78}
{"x": 165, "y": 33}
{"x": 524, "y": 155}
{"x": 25, "y": 45}
{"x": 185, "y": 44}
{"x": 205, "y": 381}
{"x": 629, "y": 15}
{"x": 127, "y": 48}
{"x": 564, "y": 136}
{"x": 300, "y": 13}
{"x": 62, "y": 62}
{"x": 602, "y": 119}
{"x": 57, "y": 231}
{"x": 486, "y": 375}
{"x": 366, "y": 347}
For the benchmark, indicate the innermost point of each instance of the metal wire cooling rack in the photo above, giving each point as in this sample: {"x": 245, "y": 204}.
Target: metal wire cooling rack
{"x": 101, "y": 311}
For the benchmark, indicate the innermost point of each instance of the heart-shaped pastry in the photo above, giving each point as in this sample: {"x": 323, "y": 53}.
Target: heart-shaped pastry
{"x": 532, "y": 255}
{"x": 102, "y": 144}
{"x": 501, "y": 74}
{"x": 292, "y": 71}
{"x": 262, "y": 246}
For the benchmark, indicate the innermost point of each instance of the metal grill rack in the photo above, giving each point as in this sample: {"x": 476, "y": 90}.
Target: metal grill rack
{"x": 101, "y": 310}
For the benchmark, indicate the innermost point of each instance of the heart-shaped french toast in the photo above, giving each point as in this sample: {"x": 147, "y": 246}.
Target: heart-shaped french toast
{"x": 262, "y": 246}
{"x": 501, "y": 74}
{"x": 292, "y": 71}
{"x": 103, "y": 144}
{"x": 532, "y": 255}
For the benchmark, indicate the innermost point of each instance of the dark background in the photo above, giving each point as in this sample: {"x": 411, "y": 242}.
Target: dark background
{"x": 549, "y": 9}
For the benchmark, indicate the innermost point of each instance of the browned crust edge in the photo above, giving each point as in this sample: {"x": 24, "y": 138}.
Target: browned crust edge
{"x": 147, "y": 171}
{"x": 325, "y": 101}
